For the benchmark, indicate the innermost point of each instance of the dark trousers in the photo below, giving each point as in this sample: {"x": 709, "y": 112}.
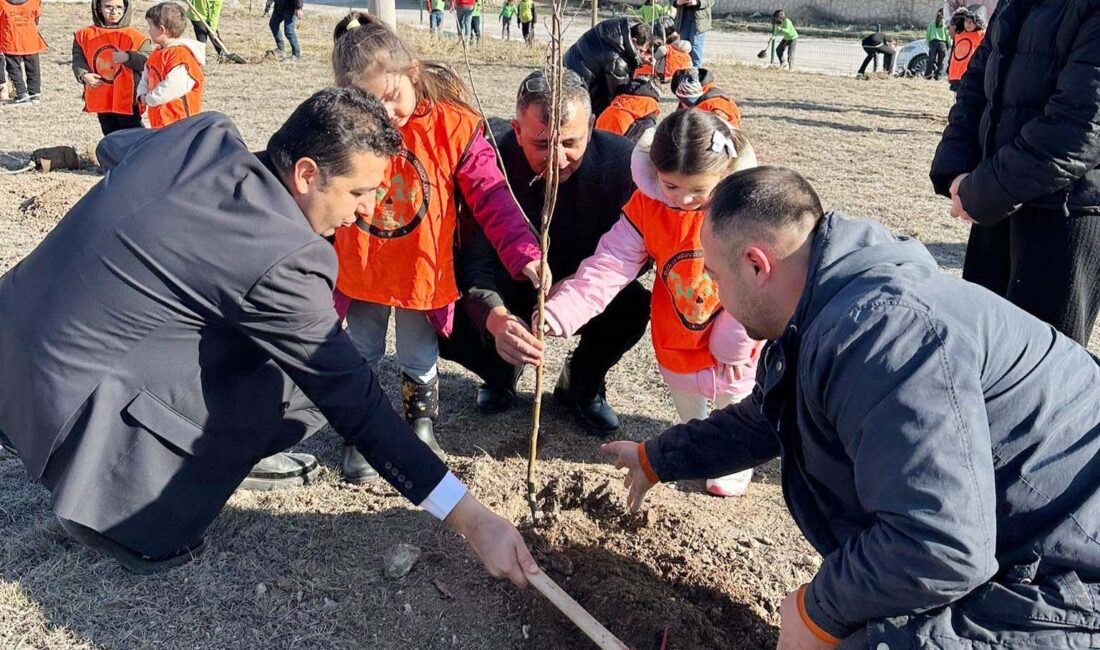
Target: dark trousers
{"x": 16, "y": 64}
{"x": 603, "y": 340}
{"x": 475, "y": 26}
{"x": 1044, "y": 262}
{"x": 937, "y": 56}
{"x": 887, "y": 53}
{"x": 202, "y": 34}
{"x": 786, "y": 47}
{"x": 111, "y": 122}
{"x": 3, "y": 70}
{"x": 528, "y": 30}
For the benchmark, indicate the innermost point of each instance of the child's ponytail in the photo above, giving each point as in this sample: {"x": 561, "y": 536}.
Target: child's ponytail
{"x": 365, "y": 46}
{"x": 696, "y": 142}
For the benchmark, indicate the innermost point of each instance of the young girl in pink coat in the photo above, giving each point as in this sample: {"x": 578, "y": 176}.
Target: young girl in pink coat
{"x": 703, "y": 353}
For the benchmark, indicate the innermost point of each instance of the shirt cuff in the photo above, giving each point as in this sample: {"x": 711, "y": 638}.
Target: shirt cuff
{"x": 444, "y": 497}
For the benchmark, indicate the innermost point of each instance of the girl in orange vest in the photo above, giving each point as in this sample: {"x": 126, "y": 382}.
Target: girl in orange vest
{"x": 673, "y": 55}
{"x": 633, "y": 111}
{"x": 108, "y": 58}
{"x": 401, "y": 258}
{"x": 172, "y": 83}
{"x": 696, "y": 88}
{"x": 703, "y": 353}
{"x": 969, "y": 30}
{"x": 20, "y": 43}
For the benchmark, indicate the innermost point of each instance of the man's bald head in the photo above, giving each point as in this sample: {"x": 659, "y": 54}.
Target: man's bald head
{"x": 775, "y": 205}
{"x": 756, "y": 242}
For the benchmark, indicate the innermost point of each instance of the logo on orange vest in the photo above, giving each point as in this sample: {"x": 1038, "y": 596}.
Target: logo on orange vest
{"x": 403, "y": 202}
{"x": 105, "y": 66}
{"x": 962, "y": 49}
{"x": 694, "y": 293}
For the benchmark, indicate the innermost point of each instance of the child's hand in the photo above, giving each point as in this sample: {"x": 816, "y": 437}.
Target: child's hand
{"x": 532, "y": 273}
{"x": 92, "y": 80}
{"x": 120, "y": 57}
{"x": 627, "y": 456}
{"x": 298, "y": 14}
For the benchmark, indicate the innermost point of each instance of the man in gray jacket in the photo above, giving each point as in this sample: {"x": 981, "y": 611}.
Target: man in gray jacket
{"x": 940, "y": 447}
{"x": 177, "y": 326}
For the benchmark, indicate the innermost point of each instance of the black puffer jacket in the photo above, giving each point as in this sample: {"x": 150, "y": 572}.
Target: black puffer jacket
{"x": 1026, "y": 123}
{"x": 605, "y": 58}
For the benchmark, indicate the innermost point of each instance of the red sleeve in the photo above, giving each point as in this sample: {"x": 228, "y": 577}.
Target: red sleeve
{"x": 487, "y": 193}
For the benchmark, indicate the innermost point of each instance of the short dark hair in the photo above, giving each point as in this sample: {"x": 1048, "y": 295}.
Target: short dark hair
{"x": 641, "y": 33}
{"x": 535, "y": 91}
{"x": 329, "y": 127}
{"x": 763, "y": 200}
{"x": 170, "y": 17}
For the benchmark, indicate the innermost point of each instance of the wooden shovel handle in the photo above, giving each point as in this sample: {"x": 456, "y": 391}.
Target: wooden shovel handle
{"x": 574, "y": 612}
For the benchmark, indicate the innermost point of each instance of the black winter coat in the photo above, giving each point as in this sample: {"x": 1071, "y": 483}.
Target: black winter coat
{"x": 1026, "y": 122}
{"x": 605, "y": 58}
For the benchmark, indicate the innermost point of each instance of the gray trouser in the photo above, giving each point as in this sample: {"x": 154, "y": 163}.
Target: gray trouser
{"x": 417, "y": 345}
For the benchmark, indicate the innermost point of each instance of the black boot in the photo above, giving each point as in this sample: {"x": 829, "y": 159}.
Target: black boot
{"x": 586, "y": 403}
{"x": 356, "y": 469}
{"x": 494, "y": 397}
{"x": 421, "y": 402}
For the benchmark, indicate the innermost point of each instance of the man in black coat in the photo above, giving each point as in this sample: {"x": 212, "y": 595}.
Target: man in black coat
{"x": 1020, "y": 158}
{"x": 491, "y": 334}
{"x": 606, "y": 57}
{"x": 178, "y": 325}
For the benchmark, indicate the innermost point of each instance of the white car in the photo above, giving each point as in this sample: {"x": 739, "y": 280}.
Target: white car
{"x": 912, "y": 59}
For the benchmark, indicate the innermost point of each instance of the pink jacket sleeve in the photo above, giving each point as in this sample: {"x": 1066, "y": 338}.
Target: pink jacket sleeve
{"x": 735, "y": 351}
{"x": 486, "y": 192}
{"x": 619, "y": 257}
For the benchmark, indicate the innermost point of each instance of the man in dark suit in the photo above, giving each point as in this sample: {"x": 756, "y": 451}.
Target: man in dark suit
{"x": 177, "y": 326}
{"x": 491, "y": 335}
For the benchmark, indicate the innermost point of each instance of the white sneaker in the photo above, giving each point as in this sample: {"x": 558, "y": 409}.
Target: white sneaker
{"x": 734, "y": 485}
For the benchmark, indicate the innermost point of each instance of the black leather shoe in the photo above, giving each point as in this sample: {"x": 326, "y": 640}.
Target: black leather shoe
{"x": 130, "y": 560}
{"x": 423, "y": 429}
{"x": 494, "y": 399}
{"x": 281, "y": 471}
{"x": 357, "y": 470}
{"x": 592, "y": 411}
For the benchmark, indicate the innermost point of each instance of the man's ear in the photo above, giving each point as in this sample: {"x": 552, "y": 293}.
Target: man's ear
{"x": 591, "y": 123}
{"x": 760, "y": 262}
{"x": 516, "y": 129}
{"x": 305, "y": 175}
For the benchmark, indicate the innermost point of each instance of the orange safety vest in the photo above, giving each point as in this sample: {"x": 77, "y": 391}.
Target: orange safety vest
{"x": 675, "y": 60}
{"x": 99, "y": 44}
{"x": 160, "y": 63}
{"x": 403, "y": 255}
{"x": 685, "y": 298}
{"x": 624, "y": 111}
{"x": 645, "y": 70}
{"x": 715, "y": 101}
{"x": 19, "y": 28}
{"x": 966, "y": 43}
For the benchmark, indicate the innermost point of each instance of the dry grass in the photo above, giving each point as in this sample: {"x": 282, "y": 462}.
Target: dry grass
{"x": 302, "y": 568}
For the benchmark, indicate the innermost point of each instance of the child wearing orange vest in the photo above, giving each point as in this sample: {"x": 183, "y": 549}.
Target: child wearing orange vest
{"x": 108, "y": 56}
{"x": 20, "y": 43}
{"x": 633, "y": 111}
{"x": 703, "y": 353}
{"x": 696, "y": 88}
{"x": 968, "y": 29}
{"x": 673, "y": 55}
{"x": 402, "y": 257}
{"x": 172, "y": 84}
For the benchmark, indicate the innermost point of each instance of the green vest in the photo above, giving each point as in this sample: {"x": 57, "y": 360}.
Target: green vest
{"x": 477, "y": 9}
{"x": 526, "y": 11}
{"x": 507, "y": 11}
{"x": 650, "y": 13}
{"x": 437, "y": 5}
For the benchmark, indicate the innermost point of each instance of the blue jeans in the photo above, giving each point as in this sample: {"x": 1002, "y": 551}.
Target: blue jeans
{"x": 290, "y": 23}
{"x": 465, "y": 23}
{"x": 696, "y": 38}
{"x": 435, "y": 22}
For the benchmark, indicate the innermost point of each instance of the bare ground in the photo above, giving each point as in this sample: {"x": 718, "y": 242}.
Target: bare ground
{"x": 303, "y": 568}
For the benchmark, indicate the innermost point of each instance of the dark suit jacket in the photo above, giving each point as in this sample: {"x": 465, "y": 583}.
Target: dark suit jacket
{"x": 156, "y": 336}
